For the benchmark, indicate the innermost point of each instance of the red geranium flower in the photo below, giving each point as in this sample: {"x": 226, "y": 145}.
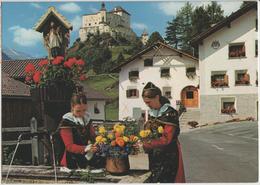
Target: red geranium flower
{"x": 82, "y": 77}
{"x": 80, "y": 62}
{"x": 58, "y": 60}
{"x": 70, "y": 62}
{"x": 43, "y": 62}
{"x": 37, "y": 77}
{"x": 29, "y": 68}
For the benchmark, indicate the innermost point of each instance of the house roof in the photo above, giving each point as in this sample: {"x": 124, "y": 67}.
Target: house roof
{"x": 119, "y": 9}
{"x": 92, "y": 94}
{"x": 154, "y": 46}
{"x": 15, "y": 68}
{"x": 226, "y": 22}
{"x": 12, "y": 87}
{"x": 39, "y": 26}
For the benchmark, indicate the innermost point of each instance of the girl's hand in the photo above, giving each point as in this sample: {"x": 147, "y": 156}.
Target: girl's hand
{"x": 93, "y": 149}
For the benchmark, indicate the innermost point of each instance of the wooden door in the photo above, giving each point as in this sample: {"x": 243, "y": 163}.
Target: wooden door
{"x": 189, "y": 96}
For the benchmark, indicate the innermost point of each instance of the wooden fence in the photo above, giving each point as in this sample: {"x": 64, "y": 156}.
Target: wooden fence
{"x": 37, "y": 158}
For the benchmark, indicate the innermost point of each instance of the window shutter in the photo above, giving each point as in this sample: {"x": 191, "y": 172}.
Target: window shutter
{"x": 127, "y": 93}
{"x": 137, "y": 93}
{"x": 226, "y": 79}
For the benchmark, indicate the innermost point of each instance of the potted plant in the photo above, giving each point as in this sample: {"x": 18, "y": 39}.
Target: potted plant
{"x": 56, "y": 79}
{"x": 116, "y": 144}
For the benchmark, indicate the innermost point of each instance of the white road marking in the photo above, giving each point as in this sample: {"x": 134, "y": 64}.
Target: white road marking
{"x": 230, "y": 134}
{"x": 217, "y": 147}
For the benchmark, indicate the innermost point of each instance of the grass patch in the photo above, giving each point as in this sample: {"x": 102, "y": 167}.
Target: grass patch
{"x": 108, "y": 85}
{"x": 117, "y": 49}
{"x": 112, "y": 111}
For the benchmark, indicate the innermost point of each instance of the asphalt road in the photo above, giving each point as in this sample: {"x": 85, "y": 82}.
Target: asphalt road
{"x": 221, "y": 153}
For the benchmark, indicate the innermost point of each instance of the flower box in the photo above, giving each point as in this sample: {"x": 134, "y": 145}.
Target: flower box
{"x": 55, "y": 92}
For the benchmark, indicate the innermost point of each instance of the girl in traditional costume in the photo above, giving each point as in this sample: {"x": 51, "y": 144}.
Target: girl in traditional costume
{"x": 165, "y": 157}
{"x": 77, "y": 133}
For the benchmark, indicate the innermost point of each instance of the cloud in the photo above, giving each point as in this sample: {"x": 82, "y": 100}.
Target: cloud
{"x": 139, "y": 26}
{"x": 76, "y": 22}
{"x": 25, "y": 37}
{"x": 36, "y": 5}
{"x": 171, "y": 8}
{"x": 70, "y": 7}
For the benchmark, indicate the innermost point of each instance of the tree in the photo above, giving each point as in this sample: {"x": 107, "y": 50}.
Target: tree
{"x": 120, "y": 59}
{"x": 189, "y": 22}
{"x": 215, "y": 13}
{"x": 171, "y": 33}
{"x": 200, "y": 20}
{"x": 155, "y": 37}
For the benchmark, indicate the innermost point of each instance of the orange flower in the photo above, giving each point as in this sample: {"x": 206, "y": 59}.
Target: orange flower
{"x": 117, "y": 134}
{"x": 113, "y": 143}
{"x": 120, "y": 142}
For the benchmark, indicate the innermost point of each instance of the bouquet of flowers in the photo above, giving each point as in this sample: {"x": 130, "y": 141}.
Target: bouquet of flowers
{"x": 58, "y": 70}
{"x": 117, "y": 142}
{"x": 153, "y": 130}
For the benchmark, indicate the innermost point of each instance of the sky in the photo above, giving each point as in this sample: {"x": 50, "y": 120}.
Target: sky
{"x": 19, "y": 18}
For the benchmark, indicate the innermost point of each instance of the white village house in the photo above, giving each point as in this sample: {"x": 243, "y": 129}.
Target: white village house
{"x": 228, "y": 67}
{"x": 174, "y": 72}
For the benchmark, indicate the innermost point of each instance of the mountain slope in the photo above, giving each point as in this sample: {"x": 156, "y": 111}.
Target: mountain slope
{"x": 13, "y": 54}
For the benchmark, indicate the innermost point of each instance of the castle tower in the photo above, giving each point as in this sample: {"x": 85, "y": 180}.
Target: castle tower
{"x": 103, "y": 12}
{"x": 144, "y": 37}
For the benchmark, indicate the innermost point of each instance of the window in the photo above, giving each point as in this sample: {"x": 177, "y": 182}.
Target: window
{"x": 228, "y": 105}
{"x": 219, "y": 79}
{"x": 89, "y": 24}
{"x": 190, "y": 72}
{"x": 256, "y": 24}
{"x": 256, "y": 48}
{"x": 133, "y": 75}
{"x": 132, "y": 93}
{"x": 148, "y": 62}
{"x": 242, "y": 78}
{"x": 96, "y": 109}
{"x": 167, "y": 92}
{"x": 165, "y": 72}
{"x": 237, "y": 50}
{"x": 189, "y": 94}
{"x": 256, "y": 81}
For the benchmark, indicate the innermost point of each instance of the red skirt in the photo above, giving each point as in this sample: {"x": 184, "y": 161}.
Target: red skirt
{"x": 180, "y": 176}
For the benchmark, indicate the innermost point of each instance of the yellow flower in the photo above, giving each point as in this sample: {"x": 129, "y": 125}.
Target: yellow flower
{"x": 116, "y": 126}
{"x": 110, "y": 136}
{"x": 147, "y": 132}
{"x": 99, "y": 139}
{"x": 143, "y": 134}
{"x": 118, "y": 129}
{"x": 102, "y": 130}
{"x": 126, "y": 139}
{"x": 104, "y": 140}
{"x": 160, "y": 129}
{"x": 122, "y": 127}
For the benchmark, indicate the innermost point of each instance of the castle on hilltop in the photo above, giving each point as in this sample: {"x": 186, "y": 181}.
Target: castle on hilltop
{"x": 115, "y": 22}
